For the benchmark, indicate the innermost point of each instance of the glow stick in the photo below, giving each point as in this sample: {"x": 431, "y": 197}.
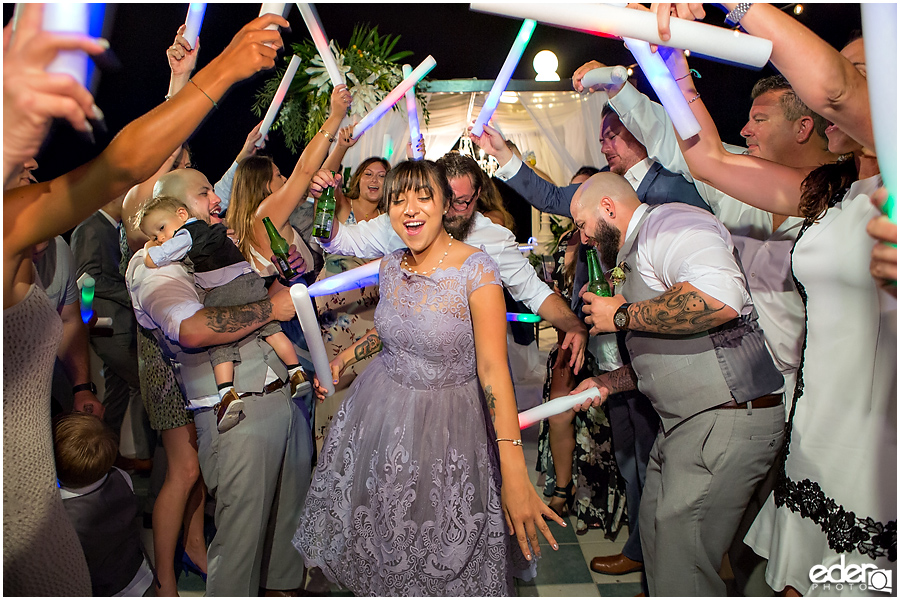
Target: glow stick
{"x": 311, "y": 18}
{"x": 278, "y": 98}
{"x": 556, "y": 406}
{"x": 526, "y": 247}
{"x": 506, "y": 73}
{"x": 86, "y": 283}
{"x": 68, "y": 17}
{"x": 879, "y": 23}
{"x": 523, "y": 318}
{"x": 392, "y": 98}
{"x": 193, "y": 22}
{"x": 359, "y": 277}
{"x": 309, "y": 324}
{"x": 412, "y": 113}
{"x": 273, "y": 8}
{"x": 605, "y": 76}
{"x": 103, "y": 323}
{"x": 599, "y": 19}
{"x": 666, "y": 88}
{"x": 387, "y": 147}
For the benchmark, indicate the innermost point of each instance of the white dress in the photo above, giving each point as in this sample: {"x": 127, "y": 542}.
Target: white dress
{"x": 839, "y": 495}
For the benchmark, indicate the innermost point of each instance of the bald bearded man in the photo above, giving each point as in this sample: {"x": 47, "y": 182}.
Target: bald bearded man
{"x": 699, "y": 355}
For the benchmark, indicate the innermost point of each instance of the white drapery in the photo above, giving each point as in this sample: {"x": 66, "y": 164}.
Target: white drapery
{"x": 561, "y": 128}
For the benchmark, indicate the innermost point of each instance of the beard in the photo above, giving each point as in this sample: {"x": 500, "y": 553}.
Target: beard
{"x": 459, "y": 227}
{"x": 607, "y": 240}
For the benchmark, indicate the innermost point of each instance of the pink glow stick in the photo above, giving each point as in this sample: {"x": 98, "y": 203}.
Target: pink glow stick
{"x": 391, "y": 99}
{"x": 311, "y": 18}
{"x": 529, "y": 417}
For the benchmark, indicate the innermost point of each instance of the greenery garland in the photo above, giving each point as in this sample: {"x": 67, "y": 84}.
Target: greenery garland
{"x": 369, "y": 69}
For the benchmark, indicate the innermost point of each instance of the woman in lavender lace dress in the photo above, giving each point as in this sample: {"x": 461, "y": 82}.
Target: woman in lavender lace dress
{"x": 407, "y": 497}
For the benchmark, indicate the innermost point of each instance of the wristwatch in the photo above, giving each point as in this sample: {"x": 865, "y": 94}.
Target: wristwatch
{"x": 621, "y": 319}
{"x": 85, "y": 387}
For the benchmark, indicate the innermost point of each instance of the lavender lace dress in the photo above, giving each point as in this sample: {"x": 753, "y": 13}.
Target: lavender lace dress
{"x": 405, "y": 500}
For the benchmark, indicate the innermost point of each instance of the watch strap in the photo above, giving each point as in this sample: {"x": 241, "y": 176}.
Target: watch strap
{"x": 623, "y": 311}
{"x": 85, "y": 387}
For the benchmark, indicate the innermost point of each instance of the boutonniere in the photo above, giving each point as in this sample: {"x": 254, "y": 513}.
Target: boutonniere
{"x": 618, "y": 274}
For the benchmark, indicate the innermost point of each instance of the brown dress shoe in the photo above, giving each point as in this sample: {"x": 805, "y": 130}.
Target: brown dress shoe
{"x": 228, "y": 412}
{"x": 618, "y": 564}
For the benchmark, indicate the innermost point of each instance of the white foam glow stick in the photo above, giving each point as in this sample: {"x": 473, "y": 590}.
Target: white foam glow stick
{"x": 278, "y": 98}
{"x": 599, "y": 19}
{"x": 194, "y": 22}
{"x": 605, "y": 76}
{"x": 666, "y": 88}
{"x": 506, "y": 73}
{"x": 879, "y": 23}
{"x": 412, "y": 113}
{"x": 394, "y": 96}
{"x": 68, "y": 17}
{"x": 529, "y": 417}
{"x": 311, "y": 18}
{"x": 312, "y": 333}
{"x": 359, "y": 277}
{"x": 273, "y": 8}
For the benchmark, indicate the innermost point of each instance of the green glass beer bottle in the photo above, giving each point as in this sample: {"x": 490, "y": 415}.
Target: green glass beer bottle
{"x": 596, "y": 281}
{"x": 280, "y": 249}
{"x": 324, "y": 218}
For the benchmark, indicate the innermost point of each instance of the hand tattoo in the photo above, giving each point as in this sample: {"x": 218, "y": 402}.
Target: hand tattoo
{"x": 370, "y": 346}
{"x": 229, "y": 319}
{"x": 676, "y": 311}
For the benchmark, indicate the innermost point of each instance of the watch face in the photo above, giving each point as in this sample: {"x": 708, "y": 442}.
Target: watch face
{"x": 620, "y": 319}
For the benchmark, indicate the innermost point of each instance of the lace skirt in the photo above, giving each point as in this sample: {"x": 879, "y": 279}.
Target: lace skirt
{"x": 405, "y": 500}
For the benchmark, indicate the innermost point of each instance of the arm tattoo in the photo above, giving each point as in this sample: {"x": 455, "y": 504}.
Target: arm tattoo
{"x": 231, "y": 319}
{"x": 367, "y": 347}
{"x": 676, "y": 311}
{"x": 621, "y": 380}
{"x": 491, "y": 402}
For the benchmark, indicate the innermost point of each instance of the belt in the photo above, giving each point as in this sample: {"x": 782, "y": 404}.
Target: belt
{"x": 767, "y": 401}
{"x": 272, "y": 387}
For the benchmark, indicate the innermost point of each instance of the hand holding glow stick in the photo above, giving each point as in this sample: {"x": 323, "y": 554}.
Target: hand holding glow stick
{"x": 272, "y": 8}
{"x": 309, "y": 324}
{"x": 359, "y": 277}
{"x": 506, "y": 73}
{"x": 713, "y": 42}
{"x": 278, "y": 99}
{"x": 880, "y": 39}
{"x": 68, "y": 17}
{"x": 666, "y": 88}
{"x": 394, "y": 96}
{"x": 605, "y": 76}
{"x": 556, "y": 406}
{"x": 311, "y": 18}
{"x": 194, "y": 22}
{"x": 86, "y": 283}
{"x": 412, "y": 113}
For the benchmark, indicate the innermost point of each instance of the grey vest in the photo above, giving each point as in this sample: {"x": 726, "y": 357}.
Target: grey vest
{"x": 688, "y": 374}
{"x": 194, "y": 373}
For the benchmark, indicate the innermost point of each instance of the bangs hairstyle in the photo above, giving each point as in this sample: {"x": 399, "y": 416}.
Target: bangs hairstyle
{"x": 166, "y": 203}
{"x": 416, "y": 175}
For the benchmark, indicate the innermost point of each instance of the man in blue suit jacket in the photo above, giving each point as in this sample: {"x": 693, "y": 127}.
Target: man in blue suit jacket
{"x": 632, "y": 419}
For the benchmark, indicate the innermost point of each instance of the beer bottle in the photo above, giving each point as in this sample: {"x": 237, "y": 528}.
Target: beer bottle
{"x": 280, "y": 248}
{"x": 596, "y": 281}
{"x": 324, "y": 218}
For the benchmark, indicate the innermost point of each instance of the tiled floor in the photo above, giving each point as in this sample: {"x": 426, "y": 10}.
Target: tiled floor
{"x": 560, "y": 573}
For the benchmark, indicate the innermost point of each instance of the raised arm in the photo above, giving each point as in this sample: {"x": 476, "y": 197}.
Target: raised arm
{"x": 279, "y": 205}
{"x": 182, "y": 62}
{"x": 522, "y": 506}
{"x": 345, "y": 141}
{"x": 138, "y": 150}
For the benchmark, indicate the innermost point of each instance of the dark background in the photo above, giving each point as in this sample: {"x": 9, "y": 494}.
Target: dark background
{"x": 465, "y": 44}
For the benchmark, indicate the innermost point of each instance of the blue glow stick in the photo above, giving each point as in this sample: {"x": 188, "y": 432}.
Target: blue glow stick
{"x": 360, "y": 277}
{"x": 412, "y": 113}
{"x": 666, "y": 88}
{"x": 86, "y": 283}
{"x": 506, "y": 73}
{"x": 394, "y": 96}
{"x": 523, "y": 318}
{"x": 879, "y": 23}
{"x": 194, "y": 22}
{"x": 68, "y": 17}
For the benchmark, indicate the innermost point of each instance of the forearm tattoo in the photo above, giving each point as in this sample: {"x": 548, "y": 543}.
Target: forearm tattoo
{"x": 621, "y": 380}
{"x": 368, "y": 346}
{"x": 491, "y": 402}
{"x": 675, "y": 311}
{"x": 230, "y": 319}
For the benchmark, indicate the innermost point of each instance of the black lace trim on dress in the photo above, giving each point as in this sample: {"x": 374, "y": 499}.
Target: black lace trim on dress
{"x": 844, "y": 531}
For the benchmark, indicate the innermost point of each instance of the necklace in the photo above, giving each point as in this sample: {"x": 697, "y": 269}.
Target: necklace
{"x": 365, "y": 217}
{"x": 434, "y": 268}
